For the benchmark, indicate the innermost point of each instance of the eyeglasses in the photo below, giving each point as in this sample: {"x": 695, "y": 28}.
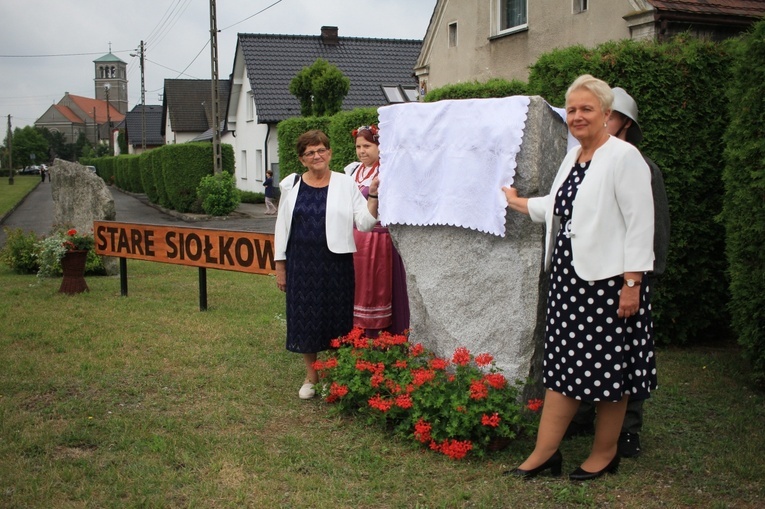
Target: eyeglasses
{"x": 319, "y": 153}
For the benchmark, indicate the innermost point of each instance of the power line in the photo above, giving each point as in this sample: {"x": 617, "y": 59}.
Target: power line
{"x": 172, "y": 22}
{"x": 161, "y": 22}
{"x": 183, "y": 72}
{"x": 248, "y": 17}
{"x": 54, "y": 55}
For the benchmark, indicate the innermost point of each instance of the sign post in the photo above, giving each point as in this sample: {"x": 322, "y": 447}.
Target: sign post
{"x": 238, "y": 251}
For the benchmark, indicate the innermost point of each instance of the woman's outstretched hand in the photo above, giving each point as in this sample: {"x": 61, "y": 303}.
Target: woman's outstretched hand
{"x": 514, "y": 202}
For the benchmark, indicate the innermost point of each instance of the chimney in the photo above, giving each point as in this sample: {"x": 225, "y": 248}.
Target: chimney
{"x": 329, "y": 36}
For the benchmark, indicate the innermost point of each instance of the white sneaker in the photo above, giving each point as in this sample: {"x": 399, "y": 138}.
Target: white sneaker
{"x": 307, "y": 391}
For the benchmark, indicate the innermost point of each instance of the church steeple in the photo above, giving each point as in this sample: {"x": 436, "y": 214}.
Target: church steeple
{"x": 109, "y": 69}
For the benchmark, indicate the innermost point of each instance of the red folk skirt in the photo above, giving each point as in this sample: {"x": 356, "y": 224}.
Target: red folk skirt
{"x": 373, "y": 262}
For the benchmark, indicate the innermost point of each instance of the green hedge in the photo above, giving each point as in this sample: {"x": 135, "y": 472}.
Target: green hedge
{"x": 134, "y": 174}
{"x": 146, "y": 163}
{"x": 683, "y": 114}
{"x": 158, "y": 162}
{"x": 495, "y": 87}
{"x": 339, "y": 131}
{"x": 289, "y": 131}
{"x": 744, "y": 203}
{"x": 183, "y": 167}
{"x": 121, "y": 170}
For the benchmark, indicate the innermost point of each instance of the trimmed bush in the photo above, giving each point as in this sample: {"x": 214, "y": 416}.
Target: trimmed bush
{"x": 289, "y": 131}
{"x": 121, "y": 172}
{"x": 744, "y": 202}
{"x": 218, "y": 194}
{"x": 146, "y": 167}
{"x": 495, "y": 87}
{"x": 252, "y": 197}
{"x": 158, "y": 162}
{"x": 134, "y": 173}
{"x": 184, "y": 166}
{"x": 340, "y": 128}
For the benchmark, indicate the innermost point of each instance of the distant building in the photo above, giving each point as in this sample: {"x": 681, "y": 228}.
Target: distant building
{"x": 75, "y": 114}
{"x": 133, "y": 125}
{"x": 187, "y": 108}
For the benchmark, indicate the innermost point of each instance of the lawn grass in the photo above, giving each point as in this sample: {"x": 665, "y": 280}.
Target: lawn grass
{"x": 144, "y": 401}
{"x": 11, "y": 195}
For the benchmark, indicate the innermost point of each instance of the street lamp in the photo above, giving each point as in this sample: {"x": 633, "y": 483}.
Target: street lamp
{"x": 107, "y": 86}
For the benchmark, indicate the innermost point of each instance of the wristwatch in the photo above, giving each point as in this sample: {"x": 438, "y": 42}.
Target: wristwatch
{"x": 631, "y": 283}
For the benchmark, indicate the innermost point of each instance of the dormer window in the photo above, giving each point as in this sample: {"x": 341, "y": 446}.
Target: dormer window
{"x": 400, "y": 94}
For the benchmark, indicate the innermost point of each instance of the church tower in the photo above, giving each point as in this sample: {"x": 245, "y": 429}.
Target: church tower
{"x": 111, "y": 73}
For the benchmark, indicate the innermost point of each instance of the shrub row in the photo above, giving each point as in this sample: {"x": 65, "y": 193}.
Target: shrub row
{"x": 744, "y": 199}
{"x": 168, "y": 175}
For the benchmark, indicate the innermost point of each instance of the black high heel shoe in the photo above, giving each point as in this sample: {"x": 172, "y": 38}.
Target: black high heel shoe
{"x": 582, "y": 475}
{"x": 555, "y": 464}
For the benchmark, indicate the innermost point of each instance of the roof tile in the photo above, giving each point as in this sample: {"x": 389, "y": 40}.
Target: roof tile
{"x": 273, "y": 60}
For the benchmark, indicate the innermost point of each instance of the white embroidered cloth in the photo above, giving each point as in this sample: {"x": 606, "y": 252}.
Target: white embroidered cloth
{"x": 444, "y": 163}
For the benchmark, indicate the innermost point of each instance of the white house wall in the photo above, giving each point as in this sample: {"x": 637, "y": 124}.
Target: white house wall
{"x": 252, "y": 156}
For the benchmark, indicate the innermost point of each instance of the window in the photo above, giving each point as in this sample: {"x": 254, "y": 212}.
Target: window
{"x": 401, "y": 94}
{"x": 250, "y": 106}
{"x": 393, "y": 94}
{"x": 259, "y": 165}
{"x": 453, "y": 35}
{"x": 512, "y": 15}
{"x": 243, "y": 173}
{"x": 412, "y": 95}
{"x": 580, "y": 6}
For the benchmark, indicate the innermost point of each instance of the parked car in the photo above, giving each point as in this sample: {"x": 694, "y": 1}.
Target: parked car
{"x": 30, "y": 170}
{"x": 91, "y": 168}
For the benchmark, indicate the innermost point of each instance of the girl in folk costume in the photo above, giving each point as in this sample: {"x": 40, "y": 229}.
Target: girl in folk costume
{"x": 381, "y": 301}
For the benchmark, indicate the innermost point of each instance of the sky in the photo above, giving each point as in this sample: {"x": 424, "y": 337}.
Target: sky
{"x": 47, "y": 47}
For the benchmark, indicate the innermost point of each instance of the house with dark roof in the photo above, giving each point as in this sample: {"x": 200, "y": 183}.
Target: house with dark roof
{"x": 187, "y": 108}
{"x": 476, "y": 41}
{"x": 380, "y": 72}
{"x": 148, "y": 117}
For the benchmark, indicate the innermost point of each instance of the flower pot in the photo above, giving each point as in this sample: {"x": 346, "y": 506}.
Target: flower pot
{"x": 73, "y": 265}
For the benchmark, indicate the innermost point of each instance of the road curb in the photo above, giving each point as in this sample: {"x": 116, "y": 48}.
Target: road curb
{"x": 183, "y": 216}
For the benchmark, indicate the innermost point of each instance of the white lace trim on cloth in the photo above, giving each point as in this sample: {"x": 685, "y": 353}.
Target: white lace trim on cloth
{"x": 444, "y": 163}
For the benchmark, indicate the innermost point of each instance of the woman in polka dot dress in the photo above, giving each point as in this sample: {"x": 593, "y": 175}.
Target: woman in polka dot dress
{"x": 599, "y": 244}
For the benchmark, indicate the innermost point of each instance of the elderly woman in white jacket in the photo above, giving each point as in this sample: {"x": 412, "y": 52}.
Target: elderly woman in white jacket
{"x": 314, "y": 249}
{"x": 599, "y": 244}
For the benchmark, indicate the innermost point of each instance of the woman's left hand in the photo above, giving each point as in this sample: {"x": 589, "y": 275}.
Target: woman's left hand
{"x": 374, "y": 185}
{"x": 629, "y": 301}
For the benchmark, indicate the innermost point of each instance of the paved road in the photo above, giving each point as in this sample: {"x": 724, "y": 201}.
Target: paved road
{"x": 35, "y": 214}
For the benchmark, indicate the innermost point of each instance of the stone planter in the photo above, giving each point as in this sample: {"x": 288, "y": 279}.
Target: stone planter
{"x": 73, "y": 266}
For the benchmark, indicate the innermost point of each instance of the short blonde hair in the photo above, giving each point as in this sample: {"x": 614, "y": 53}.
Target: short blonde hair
{"x": 597, "y": 87}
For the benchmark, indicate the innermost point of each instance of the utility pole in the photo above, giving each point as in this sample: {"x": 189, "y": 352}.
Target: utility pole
{"x": 10, "y": 152}
{"x": 143, "y": 104}
{"x": 217, "y": 158}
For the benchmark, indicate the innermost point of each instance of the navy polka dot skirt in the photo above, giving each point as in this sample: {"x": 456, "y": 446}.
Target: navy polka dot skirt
{"x": 590, "y": 353}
